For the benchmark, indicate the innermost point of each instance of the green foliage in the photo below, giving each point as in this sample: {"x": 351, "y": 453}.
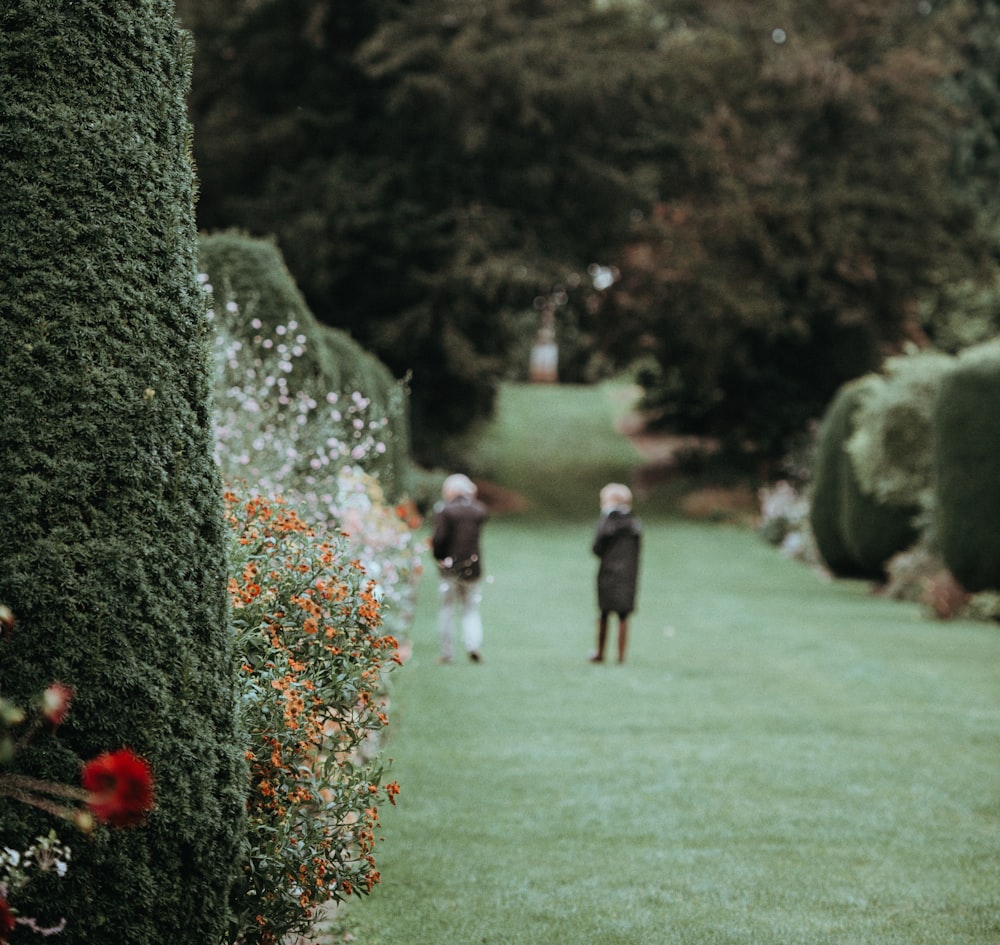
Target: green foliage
{"x": 113, "y": 545}
{"x": 430, "y": 170}
{"x": 967, "y": 468}
{"x": 830, "y": 478}
{"x": 258, "y": 307}
{"x": 962, "y": 314}
{"x": 976, "y": 84}
{"x": 785, "y": 264}
{"x": 856, "y": 533}
{"x": 892, "y": 446}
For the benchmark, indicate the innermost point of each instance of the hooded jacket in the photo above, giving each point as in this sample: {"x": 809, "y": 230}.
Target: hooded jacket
{"x": 617, "y": 542}
{"x": 455, "y": 542}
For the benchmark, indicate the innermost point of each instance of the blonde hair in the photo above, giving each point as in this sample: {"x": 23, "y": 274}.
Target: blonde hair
{"x": 614, "y": 493}
{"x": 458, "y": 485}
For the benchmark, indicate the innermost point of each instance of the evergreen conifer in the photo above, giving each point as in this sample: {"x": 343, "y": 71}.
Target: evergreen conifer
{"x": 113, "y": 557}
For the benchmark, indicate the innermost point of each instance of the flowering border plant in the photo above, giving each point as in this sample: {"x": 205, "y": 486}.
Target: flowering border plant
{"x": 18, "y": 869}
{"x": 278, "y": 429}
{"x": 307, "y": 623}
{"x": 276, "y": 424}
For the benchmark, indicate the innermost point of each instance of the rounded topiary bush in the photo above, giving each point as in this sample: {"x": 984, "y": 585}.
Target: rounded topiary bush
{"x": 831, "y": 468}
{"x": 113, "y": 540}
{"x": 892, "y": 446}
{"x": 967, "y": 468}
{"x": 855, "y": 532}
{"x": 256, "y": 300}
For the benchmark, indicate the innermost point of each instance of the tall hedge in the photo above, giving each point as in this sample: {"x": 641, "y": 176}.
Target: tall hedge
{"x": 967, "y": 468}
{"x": 111, "y": 528}
{"x": 251, "y": 272}
{"x": 856, "y": 533}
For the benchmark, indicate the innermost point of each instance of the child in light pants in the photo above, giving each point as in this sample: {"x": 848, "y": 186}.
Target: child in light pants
{"x": 460, "y": 602}
{"x": 458, "y": 521}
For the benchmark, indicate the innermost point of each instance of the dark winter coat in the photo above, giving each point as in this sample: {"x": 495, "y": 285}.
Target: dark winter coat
{"x": 617, "y": 543}
{"x": 455, "y": 541}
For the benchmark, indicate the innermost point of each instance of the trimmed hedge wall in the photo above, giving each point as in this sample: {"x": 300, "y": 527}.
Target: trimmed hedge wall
{"x": 252, "y": 272}
{"x": 112, "y": 534}
{"x": 855, "y": 533}
{"x": 967, "y": 468}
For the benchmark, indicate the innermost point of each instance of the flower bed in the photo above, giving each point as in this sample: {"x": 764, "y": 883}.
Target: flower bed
{"x": 307, "y": 620}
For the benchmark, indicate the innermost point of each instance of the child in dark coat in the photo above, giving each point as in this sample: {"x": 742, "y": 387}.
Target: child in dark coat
{"x": 617, "y": 543}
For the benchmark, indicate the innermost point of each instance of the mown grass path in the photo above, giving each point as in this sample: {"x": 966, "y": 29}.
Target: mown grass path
{"x": 782, "y": 761}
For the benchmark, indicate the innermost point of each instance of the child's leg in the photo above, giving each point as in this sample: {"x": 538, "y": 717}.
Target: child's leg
{"x": 472, "y": 622}
{"x": 602, "y": 637}
{"x": 448, "y": 605}
{"x": 622, "y": 636}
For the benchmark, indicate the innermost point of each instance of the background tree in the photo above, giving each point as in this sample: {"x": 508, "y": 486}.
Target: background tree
{"x": 113, "y": 544}
{"x": 433, "y": 171}
{"x": 429, "y": 169}
{"x": 976, "y": 84}
{"x": 816, "y": 210}
{"x": 967, "y": 312}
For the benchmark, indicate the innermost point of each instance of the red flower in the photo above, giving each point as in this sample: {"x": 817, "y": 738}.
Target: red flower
{"x": 6, "y": 921}
{"x": 55, "y": 703}
{"x": 121, "y": 787}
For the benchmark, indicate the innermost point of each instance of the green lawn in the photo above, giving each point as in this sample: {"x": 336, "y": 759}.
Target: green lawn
{"x": 781, "y": 761}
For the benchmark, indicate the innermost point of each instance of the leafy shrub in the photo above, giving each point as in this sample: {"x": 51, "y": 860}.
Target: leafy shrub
{"x": 18, "y": 868}
{"x": 115, "y": 788}
{"x": 782, "y": 511}
{"x": 967, "y": 468}
{"x": 962, "y": 314}
{"x": 384, "y": 538}
{"x": 856, "y": 532}
{"x": 831, "y": 477}
{"x": 892, "y": 444}
{"x": 943, "y": 595}
{"x": 307, "y": 625}
{"x": 320, "y": 558}
{"x": 909, "y": 572}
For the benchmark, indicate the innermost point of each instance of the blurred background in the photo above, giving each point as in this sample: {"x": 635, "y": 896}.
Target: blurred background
{"x": 742, "y": 204}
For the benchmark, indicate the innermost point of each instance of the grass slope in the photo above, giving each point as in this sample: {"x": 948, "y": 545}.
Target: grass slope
{"x": 556, "y": 446}
{"x": 781, "y": 761}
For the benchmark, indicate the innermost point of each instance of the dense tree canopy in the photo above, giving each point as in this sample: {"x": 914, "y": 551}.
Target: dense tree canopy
{"x": 426, "y": 188}
{"x": 433, "y": 169}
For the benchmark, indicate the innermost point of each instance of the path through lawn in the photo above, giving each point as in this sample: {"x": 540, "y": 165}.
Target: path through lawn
{"x": 782, "y": 761}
